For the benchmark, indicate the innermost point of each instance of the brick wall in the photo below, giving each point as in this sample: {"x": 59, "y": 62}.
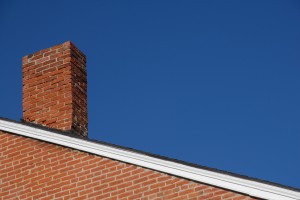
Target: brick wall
{"x": 31, "y": 169}
{"x": 55, "y": 88}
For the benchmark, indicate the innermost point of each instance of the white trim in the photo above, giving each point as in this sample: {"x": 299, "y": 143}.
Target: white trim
{"x": 252, "y": 188}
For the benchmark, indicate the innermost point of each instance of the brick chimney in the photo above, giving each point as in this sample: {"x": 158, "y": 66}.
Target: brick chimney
{"x": 55, "y": 88}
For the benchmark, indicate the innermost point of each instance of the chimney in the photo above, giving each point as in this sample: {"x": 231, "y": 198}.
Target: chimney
{"x": 55, "y": 89}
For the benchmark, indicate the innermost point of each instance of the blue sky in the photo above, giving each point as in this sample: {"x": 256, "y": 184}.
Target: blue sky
{"x": 209, "y": 82}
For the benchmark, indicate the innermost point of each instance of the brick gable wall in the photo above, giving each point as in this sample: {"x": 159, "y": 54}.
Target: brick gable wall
{"x": 32, "y": 169}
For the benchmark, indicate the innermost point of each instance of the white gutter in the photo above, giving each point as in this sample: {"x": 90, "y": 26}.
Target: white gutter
{"x": 249, "y": 187}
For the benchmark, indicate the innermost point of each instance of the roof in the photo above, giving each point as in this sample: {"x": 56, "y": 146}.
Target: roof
{"x": 227, "y": 180}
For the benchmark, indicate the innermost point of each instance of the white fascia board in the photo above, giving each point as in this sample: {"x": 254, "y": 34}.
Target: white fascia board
{"x": 252, "y": 188}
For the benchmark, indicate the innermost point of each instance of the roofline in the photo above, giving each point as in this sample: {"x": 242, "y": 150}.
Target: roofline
{"x": 226, "y": 181}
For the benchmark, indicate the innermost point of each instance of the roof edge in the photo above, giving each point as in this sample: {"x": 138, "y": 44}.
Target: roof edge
{"x": 241, "y": 185}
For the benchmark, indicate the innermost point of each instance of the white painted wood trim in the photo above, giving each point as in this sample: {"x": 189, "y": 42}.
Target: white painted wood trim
{"x": 252, "y": 188}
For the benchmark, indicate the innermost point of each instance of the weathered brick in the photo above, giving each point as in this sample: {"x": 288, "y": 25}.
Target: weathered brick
{"x": 50, "y": 86}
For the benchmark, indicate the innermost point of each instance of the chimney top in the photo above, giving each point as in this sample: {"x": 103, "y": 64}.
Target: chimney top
{"x": 55, "y": 88}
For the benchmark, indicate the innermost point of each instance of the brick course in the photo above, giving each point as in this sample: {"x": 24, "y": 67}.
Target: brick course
{"x": 31, "y": 169}
{"x": 55, "y": 88}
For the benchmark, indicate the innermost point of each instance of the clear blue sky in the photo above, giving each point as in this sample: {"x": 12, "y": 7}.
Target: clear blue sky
{"x": 210, "y": 82}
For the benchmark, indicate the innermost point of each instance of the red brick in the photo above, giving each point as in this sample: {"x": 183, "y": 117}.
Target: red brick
{"x": 32, "y": 169}
{"x": 37, "y": 69}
